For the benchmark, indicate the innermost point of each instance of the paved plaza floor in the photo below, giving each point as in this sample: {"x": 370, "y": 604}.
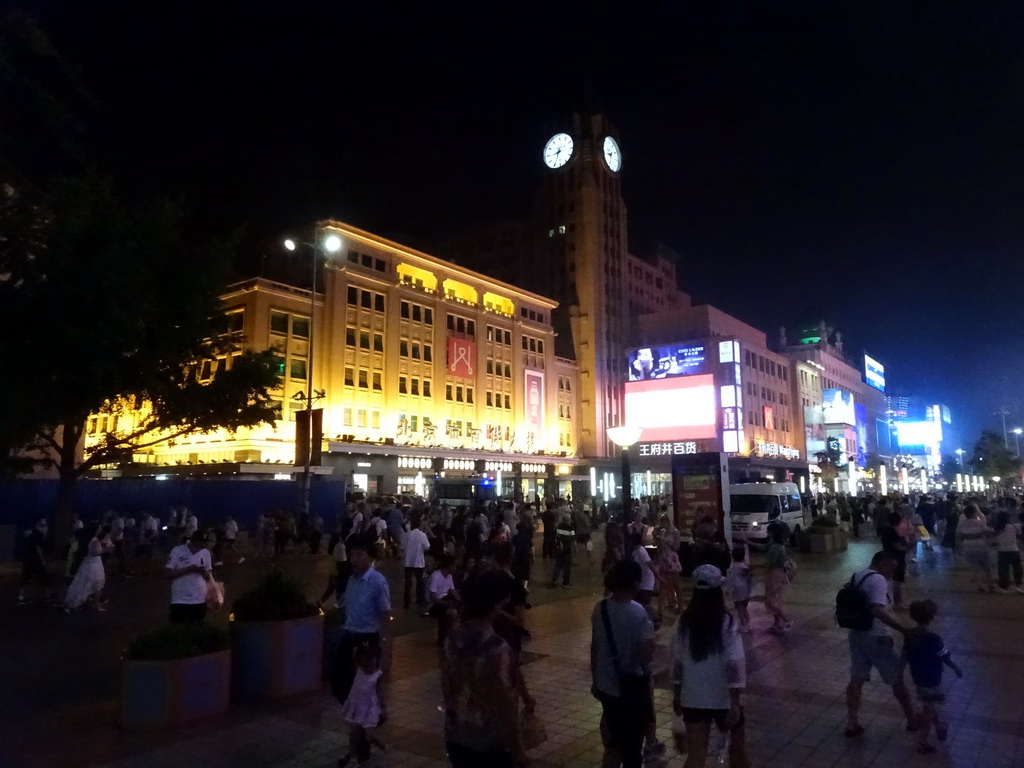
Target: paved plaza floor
{"x": 794, "y": 701}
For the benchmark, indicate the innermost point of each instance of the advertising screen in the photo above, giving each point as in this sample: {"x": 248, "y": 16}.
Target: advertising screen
{"x": 918, "y": 434}
{"x": 874, "y": 373}
{"x": 666, "y": 361}
{"x": 672, "y": 409}
{"x": 838, "y": 407}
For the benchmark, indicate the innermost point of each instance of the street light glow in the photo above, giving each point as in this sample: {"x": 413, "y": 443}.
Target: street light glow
{"x": 290, "y": 244}
{"x": 332, "y": 243}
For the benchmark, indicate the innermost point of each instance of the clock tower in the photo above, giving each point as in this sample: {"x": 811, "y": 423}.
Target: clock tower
{"x": 581, "y": 203}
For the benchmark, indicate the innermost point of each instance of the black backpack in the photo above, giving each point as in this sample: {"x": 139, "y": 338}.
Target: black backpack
{"x": 853, "y": 608}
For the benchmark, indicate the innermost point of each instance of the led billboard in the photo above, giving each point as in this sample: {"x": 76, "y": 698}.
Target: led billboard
{"x": 681, "y": 408}
{"x": 874, "y": 373}
{"x": 918, "y": 434}
{"x": 837, "y": 406}
{"x": 667, "y": 361}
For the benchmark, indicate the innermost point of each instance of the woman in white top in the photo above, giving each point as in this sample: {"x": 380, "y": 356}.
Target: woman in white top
{"x": 649, "y": 576}
{"x": 1008, "y": 552}
{"x": 709, "y": 671}
{"x": 972, "y": 535}
{"x": 90, "y": 579}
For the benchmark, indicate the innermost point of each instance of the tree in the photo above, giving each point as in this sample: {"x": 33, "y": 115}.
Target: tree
{"x": 950, "y": 468}
{"x": 991, "y": 458}
{"x": 106, "y": 307}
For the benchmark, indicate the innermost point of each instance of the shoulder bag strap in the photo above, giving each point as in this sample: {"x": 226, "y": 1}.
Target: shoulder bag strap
{"x": 612, "y": 648}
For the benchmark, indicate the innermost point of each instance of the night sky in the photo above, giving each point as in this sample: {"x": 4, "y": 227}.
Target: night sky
{"x": 858, "y": 161}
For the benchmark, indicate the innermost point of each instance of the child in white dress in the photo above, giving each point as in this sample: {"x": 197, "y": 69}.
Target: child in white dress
{"x": 363, "y": 710}
{"x": 740, "y": 581}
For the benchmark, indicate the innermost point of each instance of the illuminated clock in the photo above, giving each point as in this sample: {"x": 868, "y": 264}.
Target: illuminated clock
{"x": 558, "y": 150}
{"x": 612, "y": 155}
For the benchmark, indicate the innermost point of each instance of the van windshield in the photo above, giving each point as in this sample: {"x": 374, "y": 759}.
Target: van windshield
{"x": 753, "y": 505}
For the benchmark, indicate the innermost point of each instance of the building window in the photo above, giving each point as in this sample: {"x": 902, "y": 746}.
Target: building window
{"x": 448, "y": 392}
{"x": 361, "y": 418}
{"x": 508, "y": 403}
{"x": 402, "y": 385}
{"x": 417, "y": 313}
{"x": 403, "y": 348}
{"x": 458, "y": 394}
{"x": 404, "y": 309}
{"x": 375, "y": 420}
{"x": 490, "y": 367}
{"x": 378, "y": 342}
{"x": 415, "y": 387}
{"x": 300, "y": 327}
{"x": 415, "y": 351}
{"x": 378, "y": 302}
{"x": 350, "y": 377}
{"x": 297, "y": 370}
{"x": 414, "y": 423}
{"x": 364, "y": 340}
{"x": 376, "y": 381}
{"x": 353, "y": 295}
{"x": 469, "y": 394}
{"x": 427, "y": 353}
{"x": 347, "y": 417}
{"x": 364, "y": 378}
{"x": 508, "y": 370}
{"x": 350, "y": 336}
{"x": 365, "y": 300}
{"x": 428, "y": 316}
{"x": 489, "y": 399}
{"x": 426, "y": 387}
{"x": 278, "y": 322}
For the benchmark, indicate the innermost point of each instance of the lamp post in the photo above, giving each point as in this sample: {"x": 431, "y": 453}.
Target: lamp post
{"x": 1016, "y": 436}
{"x": 624, "y": 437}
{"x": 960, "y": 455}
{"x": 321, "y": 246}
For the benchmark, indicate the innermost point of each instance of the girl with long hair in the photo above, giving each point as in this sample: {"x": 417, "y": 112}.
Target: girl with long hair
{"x": 709, "y": 671}
{"x": 669, "y": 540}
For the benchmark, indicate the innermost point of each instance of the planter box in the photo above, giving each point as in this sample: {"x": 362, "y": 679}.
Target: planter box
{"x": 820, "y": 542}
{"x": 841, "y": 540}
{"x": 158, "y": 694}
{"x": 275, "y": 659}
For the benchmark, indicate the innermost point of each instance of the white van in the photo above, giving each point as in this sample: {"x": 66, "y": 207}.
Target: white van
{"x": 754, "y": 505}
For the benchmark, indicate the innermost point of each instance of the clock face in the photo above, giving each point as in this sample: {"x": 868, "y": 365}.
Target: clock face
{"x": 612, "y": 155}
{"x": 558, "y": 150}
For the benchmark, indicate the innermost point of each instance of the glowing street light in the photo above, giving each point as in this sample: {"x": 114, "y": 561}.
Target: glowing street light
{"x": 1016, "y": 436}
{"x": 624, "y": 437}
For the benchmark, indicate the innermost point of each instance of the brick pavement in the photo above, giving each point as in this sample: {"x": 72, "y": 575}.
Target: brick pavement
{"x": 795, "y": 706}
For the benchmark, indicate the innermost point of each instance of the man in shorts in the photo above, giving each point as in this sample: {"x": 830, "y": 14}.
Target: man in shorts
{"x": 875, "y": 647}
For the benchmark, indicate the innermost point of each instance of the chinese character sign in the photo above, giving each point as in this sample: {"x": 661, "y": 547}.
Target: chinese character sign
{"x": 461, "y": 358}
{"x": 534, "y": 402}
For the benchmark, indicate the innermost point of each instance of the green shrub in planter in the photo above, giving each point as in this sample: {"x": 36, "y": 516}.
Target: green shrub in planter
{"x": 175, "y": 674}
{"x": 275, "y": 597}
{"x": 823, "y": 522}
{"x": 277, "y": 640}
{"x": 177, "y": 641}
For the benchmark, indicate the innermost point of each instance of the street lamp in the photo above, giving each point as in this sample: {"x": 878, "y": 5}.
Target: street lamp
{"x": 960, "y": 455}
{"x": 624, "y": 437}
{"x": 321, "y": 246}
{"x": 1016, "y": 436}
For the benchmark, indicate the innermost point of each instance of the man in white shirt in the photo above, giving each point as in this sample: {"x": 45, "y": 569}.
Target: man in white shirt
{"x": 189, "y": 568}
{"x": 875, "y": 647}
{"x": 227, "y": 541}
{"x": 416, "y": 546}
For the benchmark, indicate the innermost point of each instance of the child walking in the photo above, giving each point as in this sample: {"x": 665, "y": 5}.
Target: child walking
{"x": 363, "y": 710}
{"x": 740, "y": 581}
{"x": 925, "y": 654}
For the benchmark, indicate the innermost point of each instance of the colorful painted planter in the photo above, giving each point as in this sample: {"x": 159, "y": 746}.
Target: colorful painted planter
{"x": 159, "y": 694}
{"x": 275, "y": 659}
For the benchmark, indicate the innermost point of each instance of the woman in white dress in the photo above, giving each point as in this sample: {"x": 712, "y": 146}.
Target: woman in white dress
{"x": 90, "y": 578}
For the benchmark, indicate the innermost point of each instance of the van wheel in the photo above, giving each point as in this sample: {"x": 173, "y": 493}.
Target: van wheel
{"x": 793, "y": 536}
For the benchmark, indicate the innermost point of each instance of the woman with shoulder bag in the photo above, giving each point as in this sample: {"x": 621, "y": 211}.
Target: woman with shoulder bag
{"x": 709, "y": 671}
{"x": 621, "y": 650}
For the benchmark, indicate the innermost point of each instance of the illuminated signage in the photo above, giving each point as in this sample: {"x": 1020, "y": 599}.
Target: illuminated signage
{"x": 769, "y": 417}
{"x": 675, "y": 448}
{"x": 774, "y": 450}
{"x": 461, "y": 358}
{"x": 667, "y": 361}
{"x": 674, "y": 409}
{"x": 912, "y": 434}
{"x": 874, "y": 373}
{"x": 837, "y": 407}
{"x": 534, "y": 404}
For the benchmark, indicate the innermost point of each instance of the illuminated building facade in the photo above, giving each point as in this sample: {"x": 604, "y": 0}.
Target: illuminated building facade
{"x": 702, "y": 380}
{"x": 428, "y": 369}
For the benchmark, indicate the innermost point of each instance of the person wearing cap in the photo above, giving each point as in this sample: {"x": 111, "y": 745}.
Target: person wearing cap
{"x": 189, "y": 567}
{"x": 709, "y": 671}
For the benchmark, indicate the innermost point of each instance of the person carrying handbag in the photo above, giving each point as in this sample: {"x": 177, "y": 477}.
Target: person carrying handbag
{"x": 621, "y": 651}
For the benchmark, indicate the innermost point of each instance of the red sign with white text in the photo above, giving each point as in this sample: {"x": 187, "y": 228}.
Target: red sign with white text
{"x": 461, "y": 358}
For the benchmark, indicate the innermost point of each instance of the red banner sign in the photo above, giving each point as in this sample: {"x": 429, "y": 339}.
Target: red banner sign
{"x": 461, "y": 358}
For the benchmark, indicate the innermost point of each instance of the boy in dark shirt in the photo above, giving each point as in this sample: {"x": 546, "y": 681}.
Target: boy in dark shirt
{"x": 925, "y": 654}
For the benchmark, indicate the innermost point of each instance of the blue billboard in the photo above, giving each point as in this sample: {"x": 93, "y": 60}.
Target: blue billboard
{"x": 874, "y": 373}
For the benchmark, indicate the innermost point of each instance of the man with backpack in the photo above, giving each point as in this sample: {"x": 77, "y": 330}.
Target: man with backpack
{"x": 863, "y": 607}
